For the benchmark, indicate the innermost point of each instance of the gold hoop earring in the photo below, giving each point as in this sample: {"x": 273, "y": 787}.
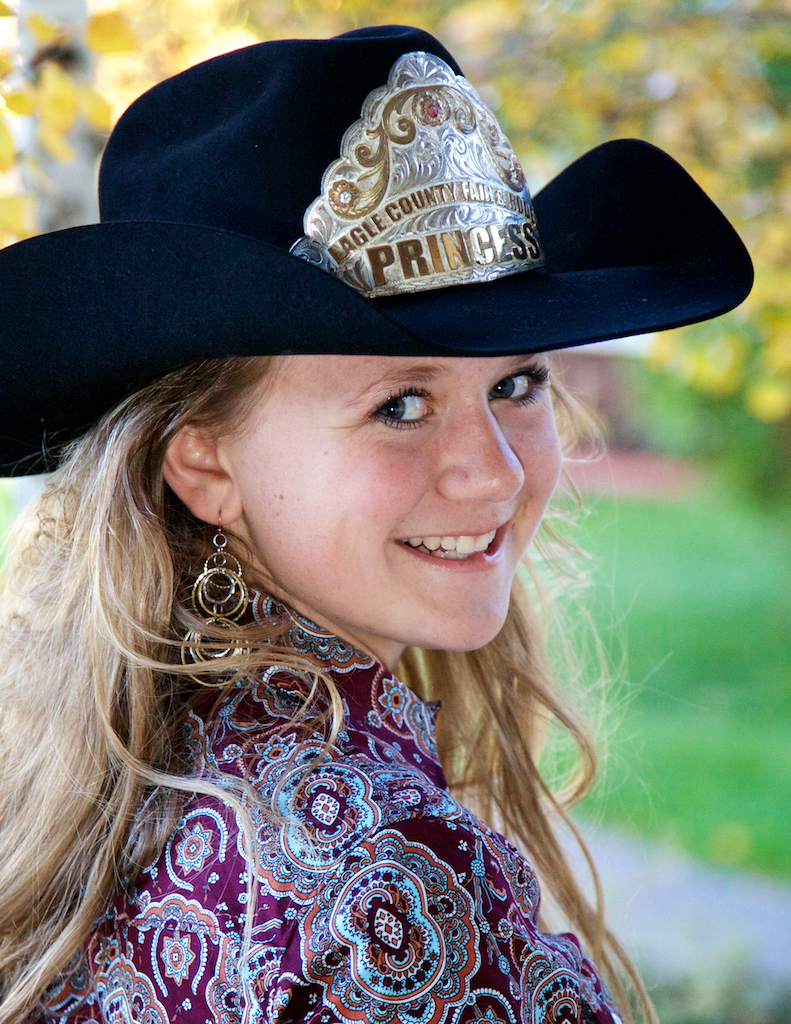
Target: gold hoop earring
{"x": 220, "y": 597}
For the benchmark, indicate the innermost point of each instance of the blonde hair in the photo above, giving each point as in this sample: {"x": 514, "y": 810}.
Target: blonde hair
{"x": 93, "y": 694}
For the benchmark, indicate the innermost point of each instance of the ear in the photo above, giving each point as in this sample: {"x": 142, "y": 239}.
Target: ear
{"x": 194, "y": 470}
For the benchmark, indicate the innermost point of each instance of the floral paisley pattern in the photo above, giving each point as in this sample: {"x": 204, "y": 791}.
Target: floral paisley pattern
{"x": 193, "y": 849}
{"x": 128, "y": 996}
{"x": 376, "y": 896}
{"x": 408, "y": 927}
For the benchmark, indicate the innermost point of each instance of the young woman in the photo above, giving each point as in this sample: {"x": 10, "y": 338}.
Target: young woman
{"x": 274, "y": 485}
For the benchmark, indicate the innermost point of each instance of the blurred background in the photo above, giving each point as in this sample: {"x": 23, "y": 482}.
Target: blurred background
{"x": 688, "y": 515}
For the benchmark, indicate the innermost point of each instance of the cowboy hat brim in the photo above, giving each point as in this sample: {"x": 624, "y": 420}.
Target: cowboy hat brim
{"x": 91, "y": 313}
{"x": 632, "y": 245}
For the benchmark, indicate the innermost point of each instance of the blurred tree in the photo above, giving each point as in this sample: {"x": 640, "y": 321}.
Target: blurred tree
{"x": 708, "y": 80}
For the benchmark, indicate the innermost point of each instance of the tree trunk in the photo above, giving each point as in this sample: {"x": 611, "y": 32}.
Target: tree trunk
{"x": 65, "y": 191}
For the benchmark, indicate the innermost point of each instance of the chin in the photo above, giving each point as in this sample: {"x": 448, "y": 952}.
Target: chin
{"x": 467, "y": 637}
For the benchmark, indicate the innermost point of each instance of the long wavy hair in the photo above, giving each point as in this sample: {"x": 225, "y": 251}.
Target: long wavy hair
{"x": 93, "y": 695}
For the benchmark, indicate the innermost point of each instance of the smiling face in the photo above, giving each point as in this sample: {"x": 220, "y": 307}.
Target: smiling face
{"x": 391, "y": 499}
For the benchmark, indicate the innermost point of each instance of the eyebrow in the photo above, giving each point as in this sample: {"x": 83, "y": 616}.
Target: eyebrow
{"x": 422, "y": 373}
{"x": 414, "y": 374}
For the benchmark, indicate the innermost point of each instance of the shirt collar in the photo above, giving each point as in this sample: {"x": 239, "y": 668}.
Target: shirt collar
{"x": 380, "y": 706}
{"x": 328, "y": 651}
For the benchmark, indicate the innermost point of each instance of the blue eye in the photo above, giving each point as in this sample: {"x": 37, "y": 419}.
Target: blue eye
{"x": 407, "y": 409}
{"x": 521, "y": 387}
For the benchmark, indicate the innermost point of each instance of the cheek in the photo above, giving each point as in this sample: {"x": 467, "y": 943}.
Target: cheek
{"x": 542, "y": 460}
{"x": 380, "y": 473}
{"x": 278, "y": 486}
{"x": 541, "y": 456}
{"x": 328, "y": 498}
{"x": 388, "y": 484}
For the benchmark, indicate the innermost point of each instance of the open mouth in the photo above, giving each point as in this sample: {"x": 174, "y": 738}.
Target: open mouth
{"x": 451, "y": 547}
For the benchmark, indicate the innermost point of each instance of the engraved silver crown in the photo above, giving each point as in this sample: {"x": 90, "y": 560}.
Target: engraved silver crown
{"x": 427, "y": 192}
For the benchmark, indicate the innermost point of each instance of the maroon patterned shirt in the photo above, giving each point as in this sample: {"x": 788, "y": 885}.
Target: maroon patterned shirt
{"x": 381, "y": 899}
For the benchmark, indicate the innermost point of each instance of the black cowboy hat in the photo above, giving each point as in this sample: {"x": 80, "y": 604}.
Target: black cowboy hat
{"x": 203, "y": 188}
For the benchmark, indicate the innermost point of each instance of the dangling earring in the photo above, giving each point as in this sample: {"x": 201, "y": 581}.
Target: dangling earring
{"x": 220, "y": 596}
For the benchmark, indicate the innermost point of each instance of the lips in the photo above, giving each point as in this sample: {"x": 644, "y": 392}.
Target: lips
{"x": 462, "y": 546}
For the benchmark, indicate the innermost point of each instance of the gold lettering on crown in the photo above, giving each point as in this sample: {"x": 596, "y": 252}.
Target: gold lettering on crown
{"x": 449, "y": 251}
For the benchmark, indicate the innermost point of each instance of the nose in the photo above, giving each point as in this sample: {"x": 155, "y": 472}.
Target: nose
{"x": 478, "y": 461}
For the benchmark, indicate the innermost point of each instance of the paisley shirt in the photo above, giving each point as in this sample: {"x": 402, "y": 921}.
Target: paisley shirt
{"x": 380, "y": 900}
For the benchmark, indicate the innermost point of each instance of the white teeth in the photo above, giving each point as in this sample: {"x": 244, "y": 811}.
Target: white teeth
{"x": 453, "y": 547}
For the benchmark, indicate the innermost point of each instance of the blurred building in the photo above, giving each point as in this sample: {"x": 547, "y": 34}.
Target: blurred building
{"x": 599, "y": 376}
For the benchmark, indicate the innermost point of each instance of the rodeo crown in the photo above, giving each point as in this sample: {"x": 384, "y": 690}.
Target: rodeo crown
{"x": 427, "y": 192}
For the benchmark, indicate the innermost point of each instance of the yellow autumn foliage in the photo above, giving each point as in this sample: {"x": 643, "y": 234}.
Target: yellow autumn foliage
{"x": 769, "y": 400}
{"x": 98, "y": 111}
{"x": 776, "y": 352}
{"x": 58, "y": 101}
{"x": 55, "y": 142}
{"x": 110, "y": 32}
{"x": 7, "y": 147}
{"x": 22, "y": 102}
{"x": 716, "y": 370}
{"x": 43, "y": 30}
{"x": 17, "y": 217}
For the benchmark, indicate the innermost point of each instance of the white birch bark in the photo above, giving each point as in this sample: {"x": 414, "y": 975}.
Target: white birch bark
{"x": 65, "y": 190}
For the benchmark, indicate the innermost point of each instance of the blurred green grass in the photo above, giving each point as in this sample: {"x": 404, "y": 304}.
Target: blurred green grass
{"x": 694, "y": 596}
